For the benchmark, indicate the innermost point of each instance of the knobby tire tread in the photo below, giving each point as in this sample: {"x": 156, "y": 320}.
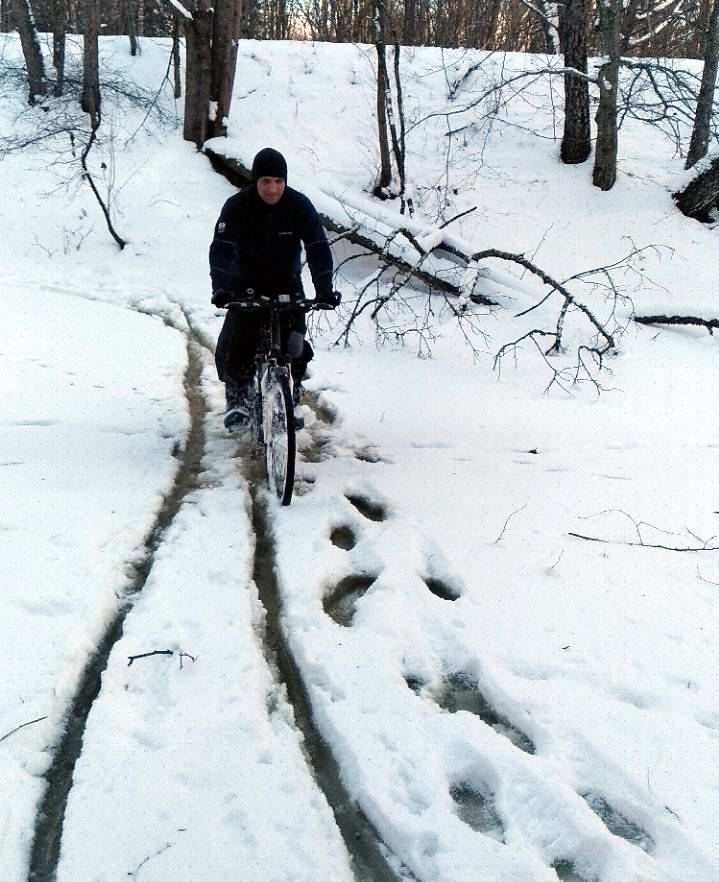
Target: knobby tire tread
{"x": 281, "y": 383}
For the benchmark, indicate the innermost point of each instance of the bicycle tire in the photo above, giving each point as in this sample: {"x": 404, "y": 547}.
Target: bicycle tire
{"x": 278, "y": 419}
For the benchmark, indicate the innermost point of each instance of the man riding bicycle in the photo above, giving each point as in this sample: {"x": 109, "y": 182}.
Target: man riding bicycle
{"x": 256, "y": 247}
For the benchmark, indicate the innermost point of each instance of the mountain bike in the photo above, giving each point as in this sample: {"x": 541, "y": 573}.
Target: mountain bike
{"x": 272, "y": 418}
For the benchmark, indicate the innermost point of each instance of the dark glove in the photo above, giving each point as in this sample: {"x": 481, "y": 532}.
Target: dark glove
{"x": 221, "y": 297}
{"x": 328, "y": 299}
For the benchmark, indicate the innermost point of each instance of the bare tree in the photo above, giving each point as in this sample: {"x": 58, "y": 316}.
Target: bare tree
{"x": 131, "y": 24}
{"x": 605, "y": 158}
{"x": 176, "y": 78}
{"x": 576, "y": 141}
{"x": 59, "y": 29}
{"x": 225, "y": 34}
{"x": 549, "y": 19}
{"x": 409, "y": 22}
{"x": 249, "y": 22}
{"x": 31, "y": 49}
{"x": 384, "y": 178}
{"x": 699, "y": 143}
{"x": 198, "y": 76}
{"x": 90, "y": 98}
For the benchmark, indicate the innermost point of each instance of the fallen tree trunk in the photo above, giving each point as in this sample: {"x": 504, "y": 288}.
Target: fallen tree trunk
{"x": 412, "y": 248}
{"x": 240, "y": 176}
{"x": 698, "y": 198}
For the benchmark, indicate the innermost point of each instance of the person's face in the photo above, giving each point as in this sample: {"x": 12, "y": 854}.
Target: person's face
{"x": 270, "y": 189}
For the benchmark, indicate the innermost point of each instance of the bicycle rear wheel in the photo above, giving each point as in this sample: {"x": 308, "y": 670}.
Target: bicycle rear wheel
{"x": 279, "y": 436}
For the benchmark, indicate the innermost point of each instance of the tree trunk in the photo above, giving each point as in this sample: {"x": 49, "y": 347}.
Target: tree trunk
{"x": 576, "y": 141}
{"x": 549, "y": 21}
{"x": 198, "y": 75}
{"x": 701, "y": 195}
{"x": 177, "y": 79}
{"x": 702, "y": 121}
{"x": 59, "y": 30}
{"x": 131, "y": 24}
{"x": 605, "y": 157}
{"x": 90, "y": 98}
{"x": 248, "y": 26}
{"x": 30, "y": 48}
{"x": 5, "y": 23}
{"x": 409, "y": 25}
{"x": 385, "y": 171}
{"x": 225, "y": 34}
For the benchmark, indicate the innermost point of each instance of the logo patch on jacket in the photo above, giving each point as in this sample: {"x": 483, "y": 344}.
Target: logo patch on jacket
{"x": 288, "y": 233}
{"x": 221, "y": 227}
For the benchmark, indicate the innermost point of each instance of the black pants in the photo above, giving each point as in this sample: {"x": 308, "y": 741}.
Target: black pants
{"x": 237, "y": 345}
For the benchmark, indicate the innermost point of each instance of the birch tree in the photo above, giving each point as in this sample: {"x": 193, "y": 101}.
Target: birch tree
{"x": 30, "y": 49}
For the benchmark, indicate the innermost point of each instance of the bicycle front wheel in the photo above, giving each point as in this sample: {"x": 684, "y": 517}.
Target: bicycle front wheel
{"x": 279, "y": 436}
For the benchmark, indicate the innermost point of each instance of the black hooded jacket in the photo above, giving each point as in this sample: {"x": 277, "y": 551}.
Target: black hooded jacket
{"x": 259, "y": 245}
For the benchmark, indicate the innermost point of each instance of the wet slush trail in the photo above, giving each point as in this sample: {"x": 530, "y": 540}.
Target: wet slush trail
{"x": 367, "y": 852}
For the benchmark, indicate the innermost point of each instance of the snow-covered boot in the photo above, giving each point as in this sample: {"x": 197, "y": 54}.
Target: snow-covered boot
{"x": 237, "y": 415}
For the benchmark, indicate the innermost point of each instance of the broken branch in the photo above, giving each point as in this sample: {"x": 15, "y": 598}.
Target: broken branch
{"x": 21, "y": 726}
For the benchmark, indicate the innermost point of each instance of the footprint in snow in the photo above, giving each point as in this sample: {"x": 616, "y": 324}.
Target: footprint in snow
{"x": 567, "y": 872}
{"x": 343, "y": 536}
{"x": 460, "y": 692}
{"x": 340, "y": 603}
{"x": 320, "y": 451}
{"x": 476, "y": 807}
{"x": 440, "y": 588}
{"x": 368, "y": 454}
{"x": 368, "y": 508}
{"x": 617, "y": 823}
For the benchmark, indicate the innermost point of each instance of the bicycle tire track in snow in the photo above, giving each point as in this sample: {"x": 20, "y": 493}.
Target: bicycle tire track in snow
{"x": 49, "y": 821}
{"x": 366, "y": 848}
{"x": 368, "y": 852}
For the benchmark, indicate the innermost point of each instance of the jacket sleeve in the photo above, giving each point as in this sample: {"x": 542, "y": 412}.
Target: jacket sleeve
{"x": 317, "y": 249}
{"x": 223, "y": 251}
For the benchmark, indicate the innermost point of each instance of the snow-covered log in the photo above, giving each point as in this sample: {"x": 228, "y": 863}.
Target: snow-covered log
{"x": 395, "y": 238}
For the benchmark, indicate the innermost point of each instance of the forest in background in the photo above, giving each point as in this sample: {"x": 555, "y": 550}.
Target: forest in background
{"x": 671, "y": 28}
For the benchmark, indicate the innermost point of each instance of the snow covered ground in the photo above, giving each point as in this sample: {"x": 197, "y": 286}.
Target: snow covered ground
{"x": 506, "y": 700}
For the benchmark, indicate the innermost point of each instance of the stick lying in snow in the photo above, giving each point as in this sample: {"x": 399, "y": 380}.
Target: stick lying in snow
{"x": 643, "y": 544}
{"x": 709, "y": 324}
{"x": 132, "y": 658}
{"x": 21, "y": 726}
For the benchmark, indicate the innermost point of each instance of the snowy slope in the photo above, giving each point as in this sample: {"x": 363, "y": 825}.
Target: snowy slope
{"x": 502, "y": 697}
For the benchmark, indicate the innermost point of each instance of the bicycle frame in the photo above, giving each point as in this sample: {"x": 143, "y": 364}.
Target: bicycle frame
{"x": 272, "y": 411}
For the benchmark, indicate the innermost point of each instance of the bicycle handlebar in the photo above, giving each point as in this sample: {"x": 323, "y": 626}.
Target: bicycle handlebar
{"x": 278, "y": 303}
